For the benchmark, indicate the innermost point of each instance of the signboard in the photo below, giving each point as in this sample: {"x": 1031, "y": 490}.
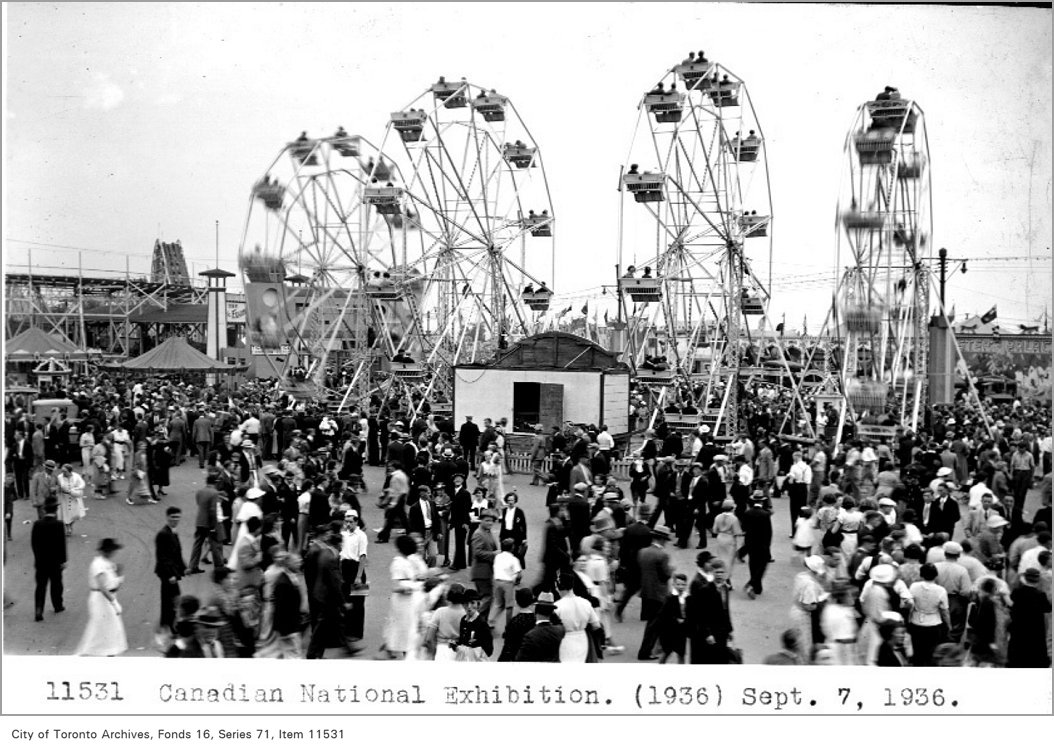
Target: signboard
{"x": 1025, "y": 359}
{"x": 875, "y": 433}
{"x": 236, "y": 310}
{"x": 278, "y": 351}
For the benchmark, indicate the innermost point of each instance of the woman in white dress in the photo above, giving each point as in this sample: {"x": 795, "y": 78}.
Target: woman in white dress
{"x": 809, "y": 596}
{"x": 87, "y": 443}
{"x": 728, "y": 533}
{"x": 407, "y": 572}
{"x": 492, "y": 478}
{"x": 577, "y": 615}
{"x": 71, "y": 496}
{"x": 105, "y": 634}
{"x": 122, "y": 447}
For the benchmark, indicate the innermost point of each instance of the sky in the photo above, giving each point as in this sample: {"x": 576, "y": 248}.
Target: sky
{"x": 124, "y": 123}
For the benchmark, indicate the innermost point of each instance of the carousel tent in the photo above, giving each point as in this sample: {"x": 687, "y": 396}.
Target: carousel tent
{"x": 175, "y": 355}
{"x": 34, "y": 344}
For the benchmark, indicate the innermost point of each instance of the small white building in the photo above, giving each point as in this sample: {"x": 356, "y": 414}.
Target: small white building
{"x": 546, "y": 379}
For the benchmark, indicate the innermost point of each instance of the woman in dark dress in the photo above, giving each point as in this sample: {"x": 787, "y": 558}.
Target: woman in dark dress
{"x": 1028, "y": 627}
{"x": 475, "y": 642}
{"x": 159, "y": 456}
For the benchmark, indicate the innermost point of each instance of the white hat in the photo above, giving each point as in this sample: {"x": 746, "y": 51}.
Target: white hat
{"x": 886, "y": 502}
{"x": 704, "y": 429}
{"x": 816, "y": 564}
{"x": 944, "y": 472}
{"x": 883, "y": 574}
{"x": 254, "y": 493}
{"x": 995, "y": 521}
{"x": 720, "y": 458}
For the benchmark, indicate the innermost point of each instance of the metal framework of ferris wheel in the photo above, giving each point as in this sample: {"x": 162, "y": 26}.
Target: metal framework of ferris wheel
{"x": 884, "y": 238}
{"x": 695, "y": 238}
{"x": 476, "y": 270}
{"x": 310, "y": 252}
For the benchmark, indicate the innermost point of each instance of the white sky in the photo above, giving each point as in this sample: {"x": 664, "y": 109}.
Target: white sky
{"x": 124, "y": 123}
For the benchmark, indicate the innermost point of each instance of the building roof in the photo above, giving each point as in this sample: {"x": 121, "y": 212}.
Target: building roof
{"x": 175, "y": 355}
{"x": 34, "y": 342}
{"x": 556, "y": 350}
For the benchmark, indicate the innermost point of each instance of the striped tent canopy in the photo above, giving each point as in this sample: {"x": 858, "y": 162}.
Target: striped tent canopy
{"x": 175, "y": 355}
{"x": 33, "y": 344}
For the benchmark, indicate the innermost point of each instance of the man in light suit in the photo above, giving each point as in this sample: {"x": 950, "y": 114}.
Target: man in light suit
{"x": 424, "y": 520}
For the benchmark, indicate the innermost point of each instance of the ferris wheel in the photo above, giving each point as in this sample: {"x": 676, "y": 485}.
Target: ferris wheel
{"x": 481, "y": 251}
{"x": 316, "y": 260}
{"x": 884, "y": 239}
{"x": 695, "y": 238}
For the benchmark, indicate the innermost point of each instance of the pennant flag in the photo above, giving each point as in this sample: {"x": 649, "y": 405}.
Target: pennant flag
{"x": 779, "y": 328}
{"x": 989, "y": 316}
{"x": 564, "y": 312}
{"x": 585, "y": 309}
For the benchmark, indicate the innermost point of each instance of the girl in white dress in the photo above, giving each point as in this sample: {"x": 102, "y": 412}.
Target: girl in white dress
{"x": 728, "y": 533}
{"x": 105, "y": 634}
{"x": 122, "y": 446}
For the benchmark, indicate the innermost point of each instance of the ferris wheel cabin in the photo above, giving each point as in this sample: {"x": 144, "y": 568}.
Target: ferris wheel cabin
{"x": 348, "y": 146}
{"x": 271, "y": 193}
{"x": 408, "y": 370}
{"x": 911, "y": 168}
{"x": 491, "y": 106}
{"x": 863, "y": 318}
{"x": 385, "y": 199}
{"x": 645, "y": 187}
{"x": 875, "y": 146}
{"x": 641, "y": 289}
{"x": 303, "y": 149}
{"x": 409, "y": 124}
{"x": 649, "y": 376}
{"x": 893, "y": 114}
{"x": 537, "y": 299}
{"x": 745, "y": 150}
{"x": 451, "y": 94}
{"x": 754, "y": 225}
{"x": 667, "y": 107}
{"x": 519, "y": 154}
{"x": 724, "y": 93}
{"x": 692, "y": 72}
{"x": 857, "y": 220}
{"x": 752, "y": 305}
{"x": 540, "y": 225}
{"x": 381, "y": 287}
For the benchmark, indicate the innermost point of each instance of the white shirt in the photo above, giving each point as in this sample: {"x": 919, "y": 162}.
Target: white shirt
{"x": 506, "y": 566}
{"x": 977, "y": 491}
{"x": 746, "y": 475}
{"x": 800, "y": 472}
{"x": 249, "y": 509}
{"x": 426, "y": 513}
{"x": 1030, "y": 559}
{"x": 353, "y": 545}
{"x": 605, "y": 441}
{"x": 251, "y": 425}
{"x": 303, "y": 502}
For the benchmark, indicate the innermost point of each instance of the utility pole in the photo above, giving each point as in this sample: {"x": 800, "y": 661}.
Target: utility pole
{"x": 943, "y": 261}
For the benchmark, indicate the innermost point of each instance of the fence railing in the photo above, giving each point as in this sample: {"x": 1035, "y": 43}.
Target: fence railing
{"x": 520, "y": 462}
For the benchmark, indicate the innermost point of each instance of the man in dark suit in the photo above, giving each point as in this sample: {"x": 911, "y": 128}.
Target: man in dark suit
{"x": 205, "y": 524}
{"x": 170, "y": 567}
{"x": 468, "y": 438}
{"x": 757, "y": 541}
{"x": 424, "y": 520}
{"x": 48, "y": 539}
{"x": 665, "y": 483}
{"x": 693, "y": 506}
{"x": 542, "y": 642}
{"x": 21, "y": 463}
{"x": 579, "y": 518}
{"x": 636, "y": 537}
{"x": 460, "y": 518}
{"x": 707, "y": 618}
{"x": 514, "y": 526}
{"x": 655, "y": 575}
{"x": 943, "y": 512}
{"x": 556, "y": 555}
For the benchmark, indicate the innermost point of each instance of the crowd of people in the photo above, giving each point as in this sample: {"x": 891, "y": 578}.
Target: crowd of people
{"x": 913, "y": 551}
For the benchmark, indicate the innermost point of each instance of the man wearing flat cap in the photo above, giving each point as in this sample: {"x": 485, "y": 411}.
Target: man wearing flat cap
{"x": 484, "y": 549}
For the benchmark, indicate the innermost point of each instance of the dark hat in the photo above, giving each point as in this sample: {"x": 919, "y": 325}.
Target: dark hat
{"x": 108, "y": 545}
{"x": 50, "y": 465}
{"x": 209, "y": 616}
{"x": 1031, "y": 575}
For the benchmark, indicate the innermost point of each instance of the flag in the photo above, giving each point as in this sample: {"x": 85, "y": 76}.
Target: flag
{"x": 564, "y": 312}
{"x": 585, "y": 309}
{"x": 779, "y": 328}
{"x": 605, "y": 317}
{"x": 989, "y": 316}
